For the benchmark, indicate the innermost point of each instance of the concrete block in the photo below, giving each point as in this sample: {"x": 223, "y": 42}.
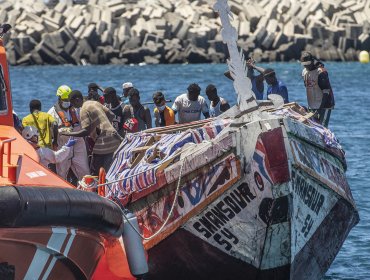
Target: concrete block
{"x": 77, "y": 23}
{"x": 268, "y": 41}
{"x": 60, "y": 7}
{"x": 353, "y": 31}
{"x": 118, "y": 10}
{"x": 90, "y": 35}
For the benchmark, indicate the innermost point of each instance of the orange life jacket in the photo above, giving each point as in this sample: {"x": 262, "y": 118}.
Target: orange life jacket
{"x": 62, "y": 116}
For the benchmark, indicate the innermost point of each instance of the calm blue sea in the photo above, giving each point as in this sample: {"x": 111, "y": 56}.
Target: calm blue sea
{"x": 350, "y": 121}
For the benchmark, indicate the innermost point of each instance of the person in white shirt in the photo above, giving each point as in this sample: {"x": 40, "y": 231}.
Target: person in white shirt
{"x": 218, "y": 104}
{"x": 190, "y": 105}
{"x": 68, "y": 119}
{"x": 47, "y": 156}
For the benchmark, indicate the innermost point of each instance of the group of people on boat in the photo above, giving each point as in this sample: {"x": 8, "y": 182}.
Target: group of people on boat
{"x": 80, "y": 133}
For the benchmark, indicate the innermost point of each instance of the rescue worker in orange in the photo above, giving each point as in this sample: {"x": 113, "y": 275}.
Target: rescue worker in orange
{"x": 163, "y": 114}
{"x": 67, "y": 118}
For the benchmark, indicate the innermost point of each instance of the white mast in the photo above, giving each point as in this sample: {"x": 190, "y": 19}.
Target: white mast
{"x": 237, "y": 65}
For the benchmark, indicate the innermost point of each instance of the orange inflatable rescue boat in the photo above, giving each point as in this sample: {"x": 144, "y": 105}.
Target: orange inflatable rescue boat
{"x": 48, "y": 228}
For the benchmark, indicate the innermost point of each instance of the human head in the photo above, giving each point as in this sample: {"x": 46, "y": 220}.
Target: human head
{"x": 307, "y": 60}
{"x": 159, "y": 100}
{"x": 134, "y": 97}
{"x": 211, "y": 92}
{"x": 63, "y": 96}
{"x": 193, "y": 92}
{"x": 270, "y": 76}
{"x": 110, "y": 94}
{"x": 76, "y": 98}
{"x": 35, "y": 105}
{"x": 92, "y": 92}
{"x": 126, "y": 88}
{"x": 31, "y": 134}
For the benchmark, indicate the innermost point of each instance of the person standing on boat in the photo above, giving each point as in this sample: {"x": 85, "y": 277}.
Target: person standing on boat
{"x": 218, "y": 105}
{"x": 163, "y": 114}
{"x": 274, "y": 85}
{"x": 48, "y": 156}
{"x": 256, "y": 80}
{"x": 320, "y": 95}
{"x": 190, "y": 105}
{"x": 67, "y": 119}
{"x": 137, "y": 110}
{"x": 117, "y": 107}
{"x": 125, "y": 89}
{"x": 93, "y": 94}
{"x": 96, "y": 118}
{"x": 45, "y": 124}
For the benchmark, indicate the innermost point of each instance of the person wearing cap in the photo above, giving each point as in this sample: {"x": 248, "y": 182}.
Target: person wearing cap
{"x": 93, "y": 94}
{"x": 163, "y": 114}
{"x": 218, "y": 105}
{"x": 117, "y": 107}
{"x": 45, "y": 124}
{"x": 96, "y": 118}
{"x": 189, "y": 105}
{"x": 274, "y": 85}
{"x": 320, "y": 97}
{"x": 137, "y": 110}
{"x": 67, "y": 118}
{"x": 47, "y": 156}
{"x": 125, "y": 89}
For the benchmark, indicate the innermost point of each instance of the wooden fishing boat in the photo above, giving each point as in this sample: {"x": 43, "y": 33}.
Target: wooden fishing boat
{"x": 257, "y": 193}
{"x": 48, "y": 229}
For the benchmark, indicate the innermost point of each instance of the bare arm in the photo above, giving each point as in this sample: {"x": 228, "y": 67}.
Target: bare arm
{"x": 82, "y": 133}
{"x": 147, "y": 117}
{"x": 224, "y": 106}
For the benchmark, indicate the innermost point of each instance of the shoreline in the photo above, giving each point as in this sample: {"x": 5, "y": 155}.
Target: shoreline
{"x": 167, "y": 32}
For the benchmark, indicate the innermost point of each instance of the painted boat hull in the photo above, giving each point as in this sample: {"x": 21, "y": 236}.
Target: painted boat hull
{"x": 275, "y": 204}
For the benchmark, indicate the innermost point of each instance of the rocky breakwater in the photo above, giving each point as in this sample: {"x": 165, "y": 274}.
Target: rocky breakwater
{"x": 164, "y": 31}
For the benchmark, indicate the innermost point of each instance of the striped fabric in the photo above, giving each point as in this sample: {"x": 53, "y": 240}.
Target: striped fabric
{"x": 143, "y": 175}
{"x": 328, "y": 136}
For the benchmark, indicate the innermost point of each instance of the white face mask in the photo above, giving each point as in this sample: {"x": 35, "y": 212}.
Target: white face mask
{"x": 161, "y": 108}
{"x": 66, "y": 104}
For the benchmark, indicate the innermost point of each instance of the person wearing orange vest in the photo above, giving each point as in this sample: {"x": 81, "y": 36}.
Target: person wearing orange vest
{"x": 163, "y": 114}
{"x": 67, "y": 118}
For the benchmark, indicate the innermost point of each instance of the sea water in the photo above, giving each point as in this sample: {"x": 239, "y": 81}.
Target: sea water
{"x": 350, "y": 120}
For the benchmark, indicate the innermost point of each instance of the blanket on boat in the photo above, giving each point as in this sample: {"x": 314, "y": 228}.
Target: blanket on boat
{"x": 143, "y": 175}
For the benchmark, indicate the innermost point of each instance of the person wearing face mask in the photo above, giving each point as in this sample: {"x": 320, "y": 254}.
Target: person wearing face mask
{"x": 163, "y": 114}
{"x": 125, "y": 89}
{"x": 67, "y": 118}
{"x": 320, "y": 95}
{"x": 189, "y": 105}
{"x": 47, "y": 156}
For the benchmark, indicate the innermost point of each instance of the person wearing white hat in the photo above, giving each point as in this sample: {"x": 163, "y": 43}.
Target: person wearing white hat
{"x": 126, "y": 88}
{"x": 47, "y": 156}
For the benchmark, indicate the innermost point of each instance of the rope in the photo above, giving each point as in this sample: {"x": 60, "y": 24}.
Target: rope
{"x": 169, "y": 214}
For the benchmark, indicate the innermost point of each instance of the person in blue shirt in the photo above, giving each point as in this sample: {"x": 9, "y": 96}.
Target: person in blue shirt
{"x": 274, "y": 85}
{"x": 257, "y": 80}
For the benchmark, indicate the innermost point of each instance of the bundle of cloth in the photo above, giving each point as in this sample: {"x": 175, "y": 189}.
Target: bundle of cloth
{"x": 143, "y": 175}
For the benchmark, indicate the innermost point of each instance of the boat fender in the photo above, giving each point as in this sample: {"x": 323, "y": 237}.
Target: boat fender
{"x": 134, "y": 247}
